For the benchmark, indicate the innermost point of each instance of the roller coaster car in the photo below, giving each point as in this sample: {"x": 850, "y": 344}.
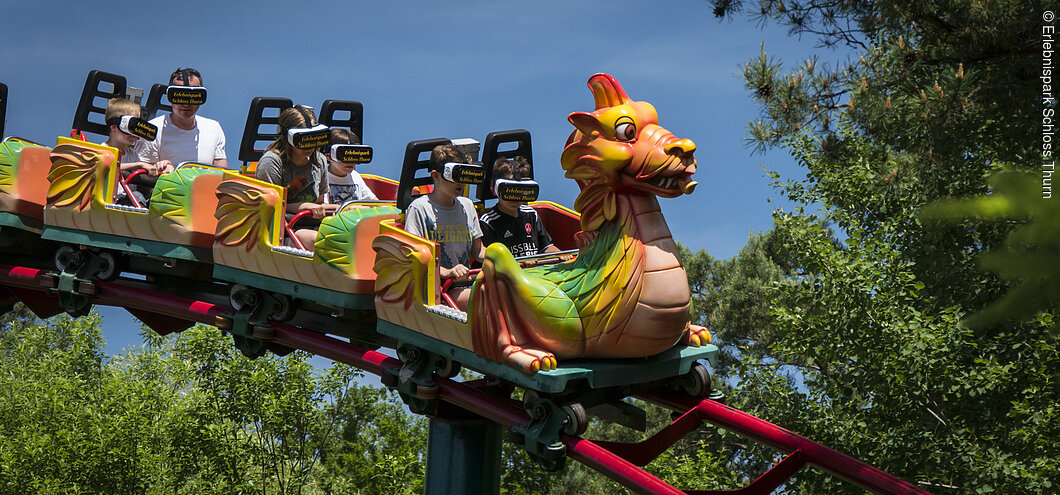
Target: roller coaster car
{"x": 170, "y": 238}
{"x": 435, "y": 337}
{"x": 329, "y": 286}
{"x": 23, "y": 190}
{"x": 248, "y": 246}
{"x": 23, "y": 180}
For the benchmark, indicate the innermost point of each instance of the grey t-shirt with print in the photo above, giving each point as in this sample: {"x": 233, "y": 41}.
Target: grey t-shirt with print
{"x": 304, "y": 184}
{"x": 453, "y": 227}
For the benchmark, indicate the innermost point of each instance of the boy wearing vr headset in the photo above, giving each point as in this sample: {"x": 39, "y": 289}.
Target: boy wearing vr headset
{"x": 446, "y": 217}
{"x": 184, "y": 136}
{"x": 125, "y": 129}
{"x": 511, "y": 221}
{"x": 344, "y": 183}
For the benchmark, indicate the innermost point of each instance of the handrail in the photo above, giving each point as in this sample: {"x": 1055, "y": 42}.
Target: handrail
{"x": 124, "y": 183}
{"x": 287, "y": 227}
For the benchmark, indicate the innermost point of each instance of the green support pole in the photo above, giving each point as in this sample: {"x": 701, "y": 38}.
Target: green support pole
{"x": 463, "y": 457}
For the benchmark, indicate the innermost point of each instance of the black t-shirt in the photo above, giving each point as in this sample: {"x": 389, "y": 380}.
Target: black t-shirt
{"x": 523, "y": 234}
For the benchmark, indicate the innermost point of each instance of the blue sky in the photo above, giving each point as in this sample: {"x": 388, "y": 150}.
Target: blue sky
{"x": 429, "y": 69}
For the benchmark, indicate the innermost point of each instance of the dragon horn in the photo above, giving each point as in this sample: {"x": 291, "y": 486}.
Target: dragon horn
{"x": 607, "y": 91}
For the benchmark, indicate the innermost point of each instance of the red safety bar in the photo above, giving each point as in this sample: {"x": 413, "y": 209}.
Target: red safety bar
{"x": 471, "y": 274}
{"x": 287, "y": 227}
{"x": 124, "y": 183}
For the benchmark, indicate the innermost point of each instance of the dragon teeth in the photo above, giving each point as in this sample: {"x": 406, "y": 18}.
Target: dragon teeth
{"x": 665, "y": 182}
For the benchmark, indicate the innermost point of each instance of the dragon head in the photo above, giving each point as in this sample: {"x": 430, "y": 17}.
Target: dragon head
{"x": 620, "y": 148}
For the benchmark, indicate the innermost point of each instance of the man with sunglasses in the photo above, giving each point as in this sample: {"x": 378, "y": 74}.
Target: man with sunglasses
{"x": 184, "y": 136}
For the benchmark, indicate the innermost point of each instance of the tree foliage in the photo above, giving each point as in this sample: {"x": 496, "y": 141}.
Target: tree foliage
{"x": 190, "y": 415}
{"x": 1030, "y": 256}
{"x": 846, "y": 321}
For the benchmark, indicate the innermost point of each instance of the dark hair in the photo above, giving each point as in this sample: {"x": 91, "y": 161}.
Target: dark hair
{"x": 447, "y": 153}
{"x": 179, "y": 74}
{"x": 339, "y": 135}
{"x": 506, "y": 169}
{"x": 522, "y": 167}
{"x": 296, "y": 116}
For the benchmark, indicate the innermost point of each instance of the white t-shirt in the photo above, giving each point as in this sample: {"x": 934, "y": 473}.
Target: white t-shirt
{"x": 350, "y": 187}
{"x": 203, "y": 143}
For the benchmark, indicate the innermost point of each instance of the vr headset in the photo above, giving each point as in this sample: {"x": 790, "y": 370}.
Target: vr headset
{"x": 463, "y": 173}
{"x": 351, "y": 153}
{"x": 186, "y": 95}
{"x": 517, "y": 190}
{"x": 305, "y": 138}
{"x": 134, "y": 126}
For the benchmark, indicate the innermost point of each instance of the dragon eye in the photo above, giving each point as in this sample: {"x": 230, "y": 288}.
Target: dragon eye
{"x": 625, "y": 131}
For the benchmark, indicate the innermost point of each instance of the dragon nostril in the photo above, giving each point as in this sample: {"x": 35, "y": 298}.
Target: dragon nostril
{"x": 680, "y": 147}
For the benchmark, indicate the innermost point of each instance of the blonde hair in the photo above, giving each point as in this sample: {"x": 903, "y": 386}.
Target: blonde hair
{"x": 296, "y": 116}
{"x": 117, "y": 107}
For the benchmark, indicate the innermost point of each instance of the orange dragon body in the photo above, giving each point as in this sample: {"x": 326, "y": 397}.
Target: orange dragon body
{"x": 626, "y": 294}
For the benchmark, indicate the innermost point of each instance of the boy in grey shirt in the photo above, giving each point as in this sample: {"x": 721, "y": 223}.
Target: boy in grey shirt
{"x": 446, "y": 217}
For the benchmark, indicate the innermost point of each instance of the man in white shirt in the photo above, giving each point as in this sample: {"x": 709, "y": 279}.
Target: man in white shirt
{"x": 184, "y": 136}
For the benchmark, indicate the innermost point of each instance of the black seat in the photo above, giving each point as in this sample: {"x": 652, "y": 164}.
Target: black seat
{"x": 154, "y": 101}
{"x": 252, "y": 133}
{"x": 3, "y": 108}
{"x": 491, "y": 152}
{"x": 415, "y": 170}
{"x": 87, "y": 108}
{"x": 355, "y": 122}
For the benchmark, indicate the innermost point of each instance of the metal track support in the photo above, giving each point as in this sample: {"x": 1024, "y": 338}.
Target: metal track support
{"x": 463, "y": 457}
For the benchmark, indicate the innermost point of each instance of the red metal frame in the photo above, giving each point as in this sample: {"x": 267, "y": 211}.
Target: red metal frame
{"x": 449, "y": 283}
{"x": 287, "y": 227}
{"x": 801, "y": 450}
{"x": 614, "y": 460}
{"x": 124, "y": 183}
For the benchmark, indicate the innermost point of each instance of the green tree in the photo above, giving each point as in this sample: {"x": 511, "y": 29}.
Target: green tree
{"x": 190, "y": 414}
{"x": 1030, "y": 256}
{"x": 69, "y": 424}
{"x": 859, "y": 343}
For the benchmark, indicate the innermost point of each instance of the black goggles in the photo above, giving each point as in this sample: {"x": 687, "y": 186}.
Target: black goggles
{"x": 517, "y": 190}
{"x": 351, "y": 153}
{"x": 186, "y": 95}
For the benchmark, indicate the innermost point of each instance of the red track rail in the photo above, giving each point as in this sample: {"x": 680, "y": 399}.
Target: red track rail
{"x": 616, "y": 461}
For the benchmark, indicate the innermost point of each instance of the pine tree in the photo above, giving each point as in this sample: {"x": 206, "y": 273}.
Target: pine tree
{"x": 866, "y": 345}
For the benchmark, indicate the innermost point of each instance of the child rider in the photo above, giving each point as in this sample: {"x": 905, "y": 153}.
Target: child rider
{"x": 513, "y": 223}
{"x": 344, "y": 183}
{"x": 446, "y": 217}
{"x": 123, "y": 121}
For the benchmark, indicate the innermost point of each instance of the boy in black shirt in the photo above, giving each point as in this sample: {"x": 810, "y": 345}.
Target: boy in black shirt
{"x": 513, "y": 223}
